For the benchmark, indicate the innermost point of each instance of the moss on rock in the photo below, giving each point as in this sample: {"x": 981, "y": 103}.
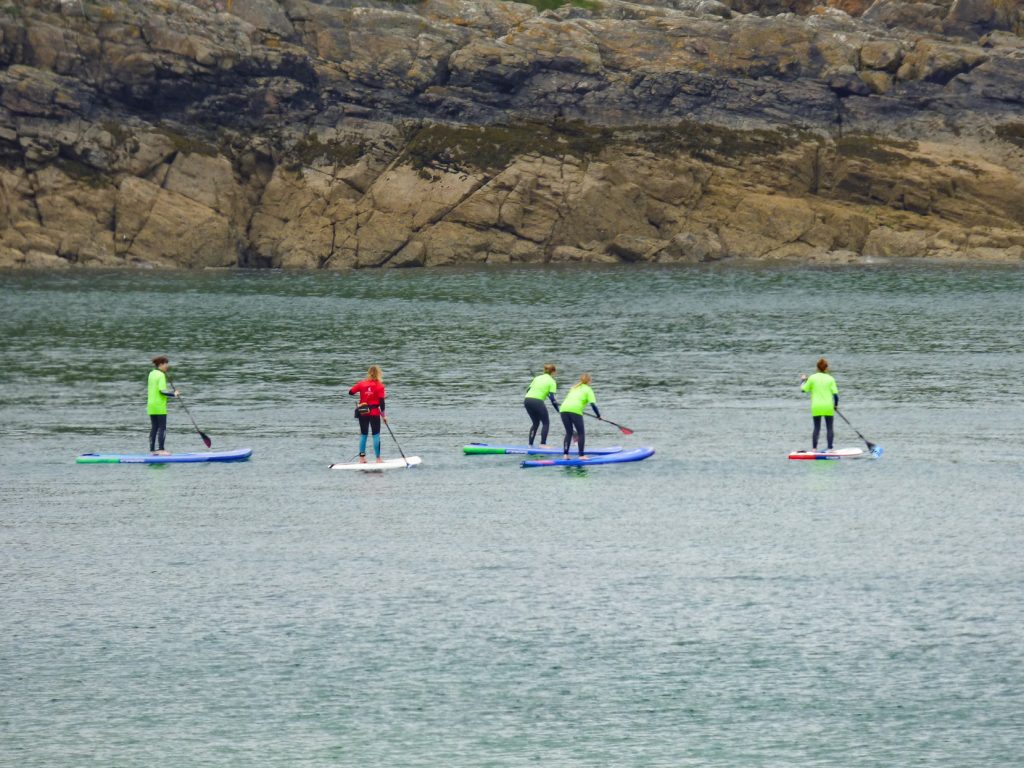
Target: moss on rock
{"x": 866, "y": 146}
{"x": 551, "y": 5}
{"x": 310, "y": 150}
{"x": 1012, "y": 133}
{"x": 493, "y": 147}
{"x": 82, "y": 172}
{"x": 188, "y": 145}
{"x": 712, "y": 143}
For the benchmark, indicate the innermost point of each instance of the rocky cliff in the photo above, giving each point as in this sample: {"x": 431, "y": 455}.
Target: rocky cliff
{"x": 354, "y": 133}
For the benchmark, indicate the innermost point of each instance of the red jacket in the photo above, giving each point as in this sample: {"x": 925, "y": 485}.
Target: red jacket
{"x": 371, "y": 393}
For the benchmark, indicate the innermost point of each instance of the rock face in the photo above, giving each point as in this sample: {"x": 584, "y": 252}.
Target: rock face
{"x": 358, "y": 133}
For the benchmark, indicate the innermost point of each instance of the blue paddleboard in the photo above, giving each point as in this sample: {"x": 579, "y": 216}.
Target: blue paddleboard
{"x": 526, "y": 450}
{"x": 239, "y": 454}
{"x": 636, "y": 454}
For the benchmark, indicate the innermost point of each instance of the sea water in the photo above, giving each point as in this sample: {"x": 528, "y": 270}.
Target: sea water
{"x": 714, "y": 605}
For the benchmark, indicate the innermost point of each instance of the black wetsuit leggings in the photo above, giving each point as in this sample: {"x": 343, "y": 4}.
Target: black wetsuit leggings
{"x": 572, "y": 421}
{"x": 817, "y": 430}
{"x": 369, "y": 424}
{"x": 539, "y": 417}
{"x": 157, "y": 431}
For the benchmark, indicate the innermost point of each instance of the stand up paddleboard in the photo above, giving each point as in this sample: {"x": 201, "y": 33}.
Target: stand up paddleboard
{"x": 637, "y": 454}
{"x": 528, "y": 450}
{"x": 372, "y": 466}
{"x": 239, "y": 454}
{"x": 827, "y": 455}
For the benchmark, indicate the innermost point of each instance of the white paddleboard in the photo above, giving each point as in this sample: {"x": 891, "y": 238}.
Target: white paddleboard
{"x": 373, "y": 466}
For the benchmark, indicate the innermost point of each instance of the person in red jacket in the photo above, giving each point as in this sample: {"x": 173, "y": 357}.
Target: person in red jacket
{"x": 370, "y": 409}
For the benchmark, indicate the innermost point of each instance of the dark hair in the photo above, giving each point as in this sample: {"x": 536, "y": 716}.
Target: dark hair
{"x": 160, "y": 360}
{"x": 823, "y": 365}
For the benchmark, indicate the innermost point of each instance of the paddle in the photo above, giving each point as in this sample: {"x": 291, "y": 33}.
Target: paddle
{"x": 206, "y": 440}
{"x": 622, "y": 429}
{"x": 396, "y": 442}
{"x": 876, "y": 450}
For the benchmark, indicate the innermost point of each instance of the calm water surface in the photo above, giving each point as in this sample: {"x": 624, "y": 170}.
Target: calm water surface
{"x": 716, "y": 605}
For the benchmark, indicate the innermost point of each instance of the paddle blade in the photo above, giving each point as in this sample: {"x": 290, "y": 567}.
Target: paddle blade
{"x": 206, "y": 440}
{"x": 876, "y": 450}
{"x": 622, "y": 429}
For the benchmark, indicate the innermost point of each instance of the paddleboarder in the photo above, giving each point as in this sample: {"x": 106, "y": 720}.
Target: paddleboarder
{"x": 542, "y": 386}
{"x": 576, "y": 399}
{"x": 156, "y": 404}
{"x": 370, "y": 410}
{"x": 824, "y": 399}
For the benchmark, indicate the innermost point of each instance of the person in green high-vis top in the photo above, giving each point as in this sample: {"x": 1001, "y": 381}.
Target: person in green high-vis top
{"x": 576, "y": 399}
{"x": 543, "y": 386}
{"x": 824, "y": 400}
{"x": 156, "y": 404}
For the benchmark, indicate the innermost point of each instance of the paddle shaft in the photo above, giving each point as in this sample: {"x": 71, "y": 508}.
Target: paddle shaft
{"x": 396, "y": 440}
{"x": 868, "y": 443}
{"x": 622, "y": 429}
{"x": 202, "y": 435}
